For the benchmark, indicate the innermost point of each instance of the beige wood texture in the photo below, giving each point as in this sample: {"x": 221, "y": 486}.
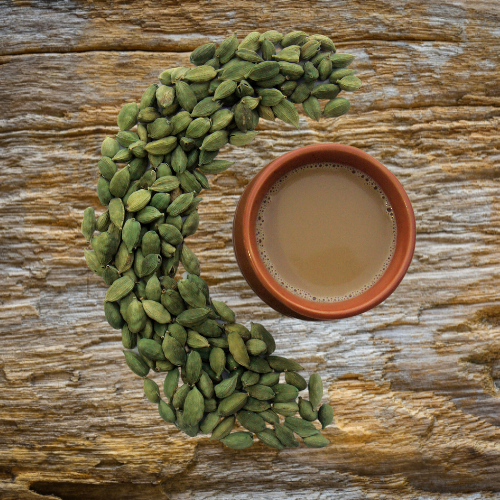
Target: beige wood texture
{"x": 414, "y": 383}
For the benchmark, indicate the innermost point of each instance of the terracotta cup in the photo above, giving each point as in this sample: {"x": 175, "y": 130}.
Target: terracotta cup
{"x": 261, "y": 280}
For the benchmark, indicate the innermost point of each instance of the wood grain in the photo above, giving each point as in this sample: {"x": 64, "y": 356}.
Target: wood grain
{"x": 414, "y": 383}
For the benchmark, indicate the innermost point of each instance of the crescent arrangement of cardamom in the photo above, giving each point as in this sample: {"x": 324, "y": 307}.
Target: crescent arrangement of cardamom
{"x": 219, "y": 374}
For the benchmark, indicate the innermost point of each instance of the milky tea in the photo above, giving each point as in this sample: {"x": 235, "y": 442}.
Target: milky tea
{"x": 326, "y": 232}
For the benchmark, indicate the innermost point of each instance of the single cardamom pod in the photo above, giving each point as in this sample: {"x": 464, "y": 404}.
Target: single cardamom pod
{"x": 291, "y": 70}
{"x": 226, "y": 49}
{"x": 223, "y": 428}
{"x": 251, "y": 42}
{"x": 312, "y": 108}
{"x": 162, "y": 146}
{"x": 202, "y": 54}
{"x": 282, "y": 364}
{"x": 325, "y": 415}
{"x": 285, "y": 435}
{"x": 196, "y": 341}
{"x": 251, "y": 421}
{"x": 127, "y": 117}
{"x": 249, "y": 55}
{"x": 290, "y": 54}
{"x": 189, "y": 260}
{"x": 117, "y": 212}
{"x": 336, "y": 107}
{"x": 225, "y": 388}
{"x": 192, "y": 317}
{"x": 341, "y": 60}
{"x": 256, "y": 405}
{"x": 150, "y": 349}
{"x": 285, "y": 393}
{"x": 232, "y": 404}
{"x": 121, "y": 287}
{"x": 301, "y": 427}
{"x": 260, "y": 392}
{"x": 88, "y": 223}
{"x": 293, "y": 38}
{"x": 309, "y": 49}
{"x": 109, "y": 147}
{"x": 151, "y": 390}
{"x": 287, "y": 113}
{"x": 113, "y": 316}
{"x": 206, "y": 107}
{"x": 185, "y": 94}
{"x": 263, "y": 71}
{"x": 156, "y": 311}
{"x": 306, "y": 410}
{"x": 268, "y": 437}
{"x": 166, "y": 412}
{"x": 238, "y": 349}
{"x": 326, "y": 91}
{"x": 296, "y": 380}
{"x": 149, "y": 114}
{"x": 268, "y": 50}
{"x": 173, "y": 351}
{"x": 315, "y": 390}
{"x": 286, "y": 409}
{"x": 338, "y": 73}
{"x": 217, "y": 360}
{"x": 119, "y": 183}
{"x": 316, "y": 441}
{"x": 136, "y": 363}
{"x": 256, "y": 347}
{"x": 216, "y": 166}
{"x": 325, "y": 68}
{"x": 270, "y": 417}
{"x": 171, "y": 383}
{"x": 193, "y": 368}
{"x": 107, "y": 167}
{"x": 269, "y": 379}
{"x": 350, "y": 83}
{"x": 180, "y": 396}
{"x": 210, "y": 422}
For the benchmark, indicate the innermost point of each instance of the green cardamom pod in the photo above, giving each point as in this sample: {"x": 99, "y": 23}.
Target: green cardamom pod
{"x": 336, "y": 107}
{"x": 312, "y": 108}
{"x": 226, "y": 49}
{"x": 268, "y": 437}
{"x": 286, "y": 409}
{"x": 350, "y": 83}
{"x": 309, "y": 49}
{"x": 136, "y": 363}
{"x": 287, "y": 113}
{"x": 109, "y": 147}
{"x": 341, "y": 60}
{"x": 306, "y": 410}
{"x": 316, "y": 441}
{"x": 223, "y": 428}
{"x": 121, "y": 287}
{"x": 127, "y": 117}
{"x": 296, "y": 380}
{"x": 150, "y": 350}
{"x": 166, "y": 412}
{"x": 117, "y": 212}
{"x": 293, "y": 38}
{"x": 162, "y": 146}
{"x": 289, "y": 54}
{"x": 206, "y": 107}
{"x": 202, "y": 54}
{"x": 173, "y": 351}
{"x": 88, "y": 223}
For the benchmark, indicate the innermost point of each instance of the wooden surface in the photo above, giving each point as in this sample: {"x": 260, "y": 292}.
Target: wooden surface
{"x": 414, "y": 383}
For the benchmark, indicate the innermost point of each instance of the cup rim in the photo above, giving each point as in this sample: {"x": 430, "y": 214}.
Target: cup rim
{"x": 261, "y": 280}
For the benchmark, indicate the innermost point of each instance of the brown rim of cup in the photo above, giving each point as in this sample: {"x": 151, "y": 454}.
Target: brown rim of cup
{"x": 261, "y": 280}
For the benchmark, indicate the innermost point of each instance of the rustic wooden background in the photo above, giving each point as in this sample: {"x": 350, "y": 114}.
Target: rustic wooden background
{"x": 414, "y": 383}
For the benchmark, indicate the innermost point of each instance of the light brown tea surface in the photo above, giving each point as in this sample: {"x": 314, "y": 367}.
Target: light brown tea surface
{"x": 326, "y": 232}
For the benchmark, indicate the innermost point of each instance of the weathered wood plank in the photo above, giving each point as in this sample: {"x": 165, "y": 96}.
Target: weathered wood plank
{"x": 414, "y": 382}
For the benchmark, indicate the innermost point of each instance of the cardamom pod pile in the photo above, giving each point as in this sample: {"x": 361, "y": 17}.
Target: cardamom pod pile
{"x": 228, "y": 372}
